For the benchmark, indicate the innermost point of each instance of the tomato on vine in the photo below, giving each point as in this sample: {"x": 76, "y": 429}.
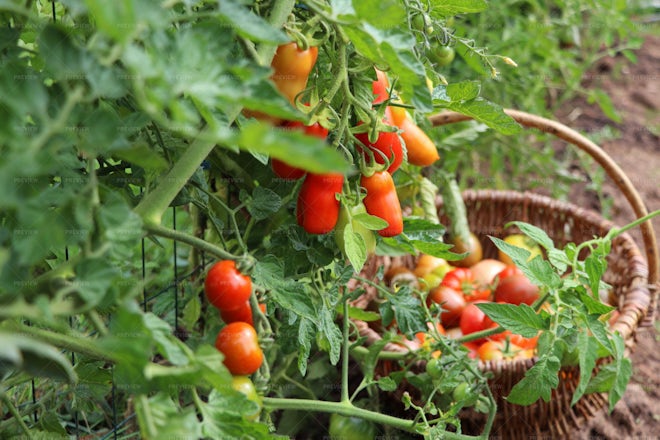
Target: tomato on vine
{"x": 452, "y": 302}
{"x": 239, "y": 314}
{"x": 245, "y": 386}
{"x": 317, "y": 210}
{"x": 226, "y": 287}
{"x": 350, "y": 428}
{"x": 474, "y": 320}
{"x": 239, "y": 344}
{"x": 386, "y": 147}
{"x": 292, "y": 66}
{"x": 382, "y": 201}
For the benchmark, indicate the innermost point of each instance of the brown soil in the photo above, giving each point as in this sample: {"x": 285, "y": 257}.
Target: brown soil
{"x": 635, "y": 92}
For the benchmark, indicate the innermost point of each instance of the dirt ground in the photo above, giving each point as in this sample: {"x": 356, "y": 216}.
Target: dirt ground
{"x": 635, "y": 91}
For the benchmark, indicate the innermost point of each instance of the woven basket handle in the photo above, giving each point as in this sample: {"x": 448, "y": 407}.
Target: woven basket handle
{"x": 611, "y": 168}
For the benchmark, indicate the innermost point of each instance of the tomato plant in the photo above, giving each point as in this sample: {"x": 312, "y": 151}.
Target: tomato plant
{"x": 149, "y": 153}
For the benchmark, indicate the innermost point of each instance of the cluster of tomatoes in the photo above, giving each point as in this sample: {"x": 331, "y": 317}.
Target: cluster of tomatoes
{"x": 229, "y": 290}
{"x": 318, "y": 206}
{"x": 458, "y": 290}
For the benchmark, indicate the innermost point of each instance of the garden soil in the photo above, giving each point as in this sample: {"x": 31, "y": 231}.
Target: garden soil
{"x": 635, "y": 146}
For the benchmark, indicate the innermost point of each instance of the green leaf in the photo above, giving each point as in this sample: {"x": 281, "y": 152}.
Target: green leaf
{"x": 391, "y": 13}
{"x": 539, "y": 271}
{"x": 387, "y": 384}
{"x": 586, "y": 349}
{"x": 355, "y": 248}
{"x": 520, "y": 319}
{"x": 142, "y": 156}
{"x": 161, "y": 413}
{"x": 297, "y": 149}
{"x": 362, "y": 315}
{"x": 408, "y": 312}
{"x": 306, "y": 334}
{"x": 535, "y": 233}
{"x": 370, "y": 221}
{"x": 463, "y": 91}
{"x": 448, "y": 8}
{"x": 559, "y": 259}
{"x": 263, "y": 203}
{"x": 538, "y": 382}
{"x": 251, "y": 25}
{"x": 594, "y": 306}
{"x": 595, "y": 267}
{"x": 20, "y": 352}
{"x": 605, "y": 103}
{"x": 168, "y": 345}
{"x": 599, "y": 331}
{"x": 371, "y": 359}
{"x": 328, "y": 337}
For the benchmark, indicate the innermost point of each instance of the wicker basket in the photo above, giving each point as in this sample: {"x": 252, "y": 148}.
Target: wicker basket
{"x": 634, "y": 280}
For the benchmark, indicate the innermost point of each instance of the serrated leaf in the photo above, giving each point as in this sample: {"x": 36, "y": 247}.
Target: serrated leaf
{"x": 599, "y": 331}
{"x": 594, "y": 306}
{"x": 328, "y": 337}
{"x": 463, "y": 91}
{"x": 520, "y": 319}
{"x": 408, "y": 312}
{"x": 595, "y": 267}
{"x": 370, "y": 221}
{"x": 355, "y": 248}
{"x": 263, "y": 203}
{"x": 161, "y": 334}
{"x": 306, "y": 334}
{"x": 142, "y": 156}
{"x": 539, "y": 271}
{"x": 558, "y": 259}
{"x": 539, "y": 381}
{"x": 535, "y": 233}
{"x": 252, "y": 26}
{"x": 586, "y": 348}
{"x": 387, "y": 384}
{"x": 34, "y": 357}
{"x": 362, "y": 315}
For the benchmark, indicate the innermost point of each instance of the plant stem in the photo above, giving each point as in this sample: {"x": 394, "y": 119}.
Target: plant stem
{"x": 343, "y": 408}
{"x": 156, "y": 202}
{"x": 344, "y": 354}
{"x": 14, "y": 412}
{"x": 67, "y": 342}
{"x": 618, "y": 231}
{"x": 183, "y": 237}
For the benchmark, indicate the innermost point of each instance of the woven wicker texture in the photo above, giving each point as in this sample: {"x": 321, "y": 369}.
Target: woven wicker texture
{"x": 633, "y": 277}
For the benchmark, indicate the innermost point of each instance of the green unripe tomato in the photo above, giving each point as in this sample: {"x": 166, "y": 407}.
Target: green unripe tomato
{"x": 244, "y": 385}
{"x": 346, "y": 215}
{"x": 350, "y": 428}
{"x": 434, "y": 369}
{"x": 442, "y": 55}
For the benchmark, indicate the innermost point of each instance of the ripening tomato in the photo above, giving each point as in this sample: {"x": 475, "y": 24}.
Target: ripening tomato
{"x": 292, "y": 66}
{"x": 472, "y": 248}
{"x": 474, "y": 320}
{"x": 382, "y": 201}
{"x": 486, "y": 271}
{"x": 387, "y": 146}
{"x": 380, "y": 87}
{"x": 245, "y": 386}
{"x": 516, "y": 289}
{"x": 515, "y": 339}
{"x": 509, "y": 269}
{"x": 286, "y": 171}
{"x": 317, "y": 210}
{"x": 452, "y": 303}
{"x": 420, "y": 148}
{"x": 225, "y": 287}
{"x": 240, "y": 314}
{"x": 462, "y": 279}
{"x": 497, "y": 351}
{"x": 427, "y": 264}
{"x": 239, "y": 344}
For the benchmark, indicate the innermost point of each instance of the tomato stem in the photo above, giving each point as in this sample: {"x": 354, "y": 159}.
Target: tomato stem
{"x": 345, "y": 346}
{"x": 183, "y": 237}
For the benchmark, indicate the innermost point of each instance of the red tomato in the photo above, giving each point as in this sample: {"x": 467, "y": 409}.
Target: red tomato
{"x": 473, "y": 348}
{"x": 474, "y": 320}
{"x": 462, "y": 279}
{"x": 240, "y": 314}
{"x": 486, "y": 271}
{"x": 517, "y": 340}
{"x": 516, "y": 289}
{"x": 452, "y": 303}
{"x": 225, "y": 287}
{"x": 497, "y": 351}
{"x": 239, "y": 344}
{"x": 318, "y": 208}
{"x": 382, "y": 201}
{"x": 387, "y": 145}
{"x": 286, "y": 171}
{"x": 380, "y": 87}
{"x": 510, "y": 269}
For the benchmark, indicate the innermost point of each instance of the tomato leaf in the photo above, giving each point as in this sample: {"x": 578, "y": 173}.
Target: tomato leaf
{"x": 586, "y": 348}
{"x": 535, "y": 233}
{"x": 520, "y": 319}
{"x": 407, "y": 312}
{"x": 387, "y": 384}
{"x": 539, "y": 271}
{"x": 447, "y": 8}
{"x": 22, "y": 352}
{"x": 538, "y": 382}
{"x": 362, "y": 315}
{"x": 262, "y": 203}
{"x": 252, "y": 26}
{"x": 355, "y": 248}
